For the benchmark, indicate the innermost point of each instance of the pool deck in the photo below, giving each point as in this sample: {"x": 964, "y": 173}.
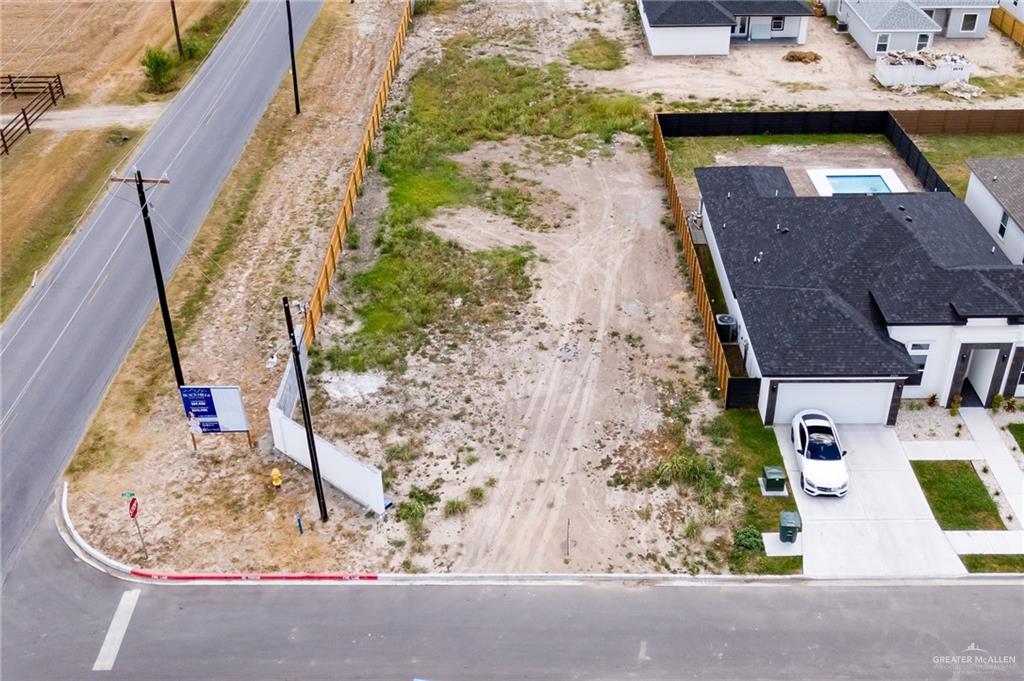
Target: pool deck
{"x": 820, "y": 179}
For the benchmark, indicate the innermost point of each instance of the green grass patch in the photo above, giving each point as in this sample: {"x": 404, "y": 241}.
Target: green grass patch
{"x": 597, "y": 52}
{"x": 948, "y": 154}
{"x": 957, "y": 496}
{"x": 749, "y": 446}
{"x": 460, "y": 100}
{"x": 1000, "y": 87}
{"x": 1017, "y": 430}
{"x": 993, "y": 562}
{"x": 411, "y": 293}
{"x": 687, "y": 153}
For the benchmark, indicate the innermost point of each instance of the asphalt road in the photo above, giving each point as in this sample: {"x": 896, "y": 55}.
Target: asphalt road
{"x": 57, "y": 611}
{"x": 59, "y": 350}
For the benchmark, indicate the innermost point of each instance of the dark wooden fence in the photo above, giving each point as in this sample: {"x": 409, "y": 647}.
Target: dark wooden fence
{"x": 43, "y": 93}
{"x": 897, "y": 126}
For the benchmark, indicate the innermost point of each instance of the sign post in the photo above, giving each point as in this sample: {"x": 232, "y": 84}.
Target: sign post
{"x": 133, "y": 513}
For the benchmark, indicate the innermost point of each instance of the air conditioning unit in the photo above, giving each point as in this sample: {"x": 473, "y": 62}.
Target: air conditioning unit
{"x": 728, "y": 328}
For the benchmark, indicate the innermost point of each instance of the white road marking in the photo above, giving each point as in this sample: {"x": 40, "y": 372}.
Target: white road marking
{"x": 642, "y": 656}
{"x": 115, "y": 633}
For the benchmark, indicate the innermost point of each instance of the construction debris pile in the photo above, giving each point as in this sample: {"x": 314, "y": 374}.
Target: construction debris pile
{"x": 928, "y": 58}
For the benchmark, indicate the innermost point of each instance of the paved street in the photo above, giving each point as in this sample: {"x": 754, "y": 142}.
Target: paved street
{"x": 61, "y": 347}
{"x": 57, "y": 612}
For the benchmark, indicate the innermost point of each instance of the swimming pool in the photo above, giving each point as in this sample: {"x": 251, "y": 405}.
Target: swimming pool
{"x": 858, "y": 184}
{"x": 831, "y": 181}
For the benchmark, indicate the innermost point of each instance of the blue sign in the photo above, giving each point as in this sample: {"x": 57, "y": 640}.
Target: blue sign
{"x": 199, "y": 407}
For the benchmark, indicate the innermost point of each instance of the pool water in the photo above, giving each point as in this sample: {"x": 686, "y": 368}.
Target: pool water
{"x": 858, "y": 184}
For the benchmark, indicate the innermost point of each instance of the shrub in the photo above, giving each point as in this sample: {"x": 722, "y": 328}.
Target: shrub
{"x": 411, "y": 511}
{"x": 455, "y": 507}
{"x": 997, "y": 402}
{"x": 954, "y": 404}
{"x": 933, "y": 400}
{"x": 476, "y": 494}
{"x": 748, "y": 539}
{"x": 193, "y": 49}
{"x": 159, "y": 68}
{"x": 1011, "y": 405}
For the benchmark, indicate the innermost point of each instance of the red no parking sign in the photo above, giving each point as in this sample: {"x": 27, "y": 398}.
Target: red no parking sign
{"x": 133, "y": 507}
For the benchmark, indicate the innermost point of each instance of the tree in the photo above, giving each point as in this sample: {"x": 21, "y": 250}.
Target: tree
{"x": 159, "y": 67}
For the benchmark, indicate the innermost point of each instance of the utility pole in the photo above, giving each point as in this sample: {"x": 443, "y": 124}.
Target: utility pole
{"x": 177, "y": 33}
{"x": 157, "y": 274}
{"x": 291, "y": 46}
{"x": 306, "y": 419}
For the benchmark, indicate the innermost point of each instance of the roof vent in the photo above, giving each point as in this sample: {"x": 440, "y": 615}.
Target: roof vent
{"x": 776, "y": 193}
{"x": 778, "y": 226}
{"x": 995, "y": 178}
{"x": 909, "y": 219}
{"x": 785, "y": 230}
{"x": 757, "y": 258}
{"x": 901, "y": 207}
{"x": 993, "y": 249}
{"x": 728, "y": 195}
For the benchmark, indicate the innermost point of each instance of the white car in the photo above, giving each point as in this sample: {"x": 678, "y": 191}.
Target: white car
{"x": 819, "y": 454}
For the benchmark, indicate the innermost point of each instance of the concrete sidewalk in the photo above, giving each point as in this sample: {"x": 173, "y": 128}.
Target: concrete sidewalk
{"x": 883, "y": 526}
{"x": 987, "y": 541}
{"x": 1000, "y": 461}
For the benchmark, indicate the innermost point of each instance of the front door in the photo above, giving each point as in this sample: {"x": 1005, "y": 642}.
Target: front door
{"x": 986, "y": 363}
{"x": 741, "y": 27}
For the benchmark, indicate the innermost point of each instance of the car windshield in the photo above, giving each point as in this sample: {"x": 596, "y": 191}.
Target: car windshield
{"x": 823, "y": 447}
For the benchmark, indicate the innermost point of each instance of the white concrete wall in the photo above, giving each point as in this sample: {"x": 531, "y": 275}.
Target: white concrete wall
{"x": 685, "y": 40}
{"x": 951, "y": 28}
{"x": 945, "y": 343}
{"x": 979, "y": 371}
{"x": 1014, "y": 7}
{"x": 845, "y": 402}
{"x": 760, "y": 28}
{"x": 919, "y": 74}
{"x": 989, "y": 211}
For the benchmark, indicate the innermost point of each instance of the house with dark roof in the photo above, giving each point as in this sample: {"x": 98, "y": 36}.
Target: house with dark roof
{"x": 850, "y": 303}
{"x": 881, "y": 26}
{"x": 995, "y": 194}
{"x": 710, "y": 27}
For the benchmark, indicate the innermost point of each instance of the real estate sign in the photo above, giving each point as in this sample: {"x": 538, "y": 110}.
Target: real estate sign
{"x": 214, "y": 409}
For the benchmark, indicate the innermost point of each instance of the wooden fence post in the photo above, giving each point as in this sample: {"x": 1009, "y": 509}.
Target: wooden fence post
{"x": 25, "y": 116}
{"x": 14, "y": 90}
{"x": 3, "y": 138}
{"x": 53, "y": 98}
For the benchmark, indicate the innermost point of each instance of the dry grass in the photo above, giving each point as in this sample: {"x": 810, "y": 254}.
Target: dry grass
{"x": 48, "y": 182}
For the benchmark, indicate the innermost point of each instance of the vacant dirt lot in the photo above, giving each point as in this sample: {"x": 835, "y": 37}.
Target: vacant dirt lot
{"x": 95, "y": 46}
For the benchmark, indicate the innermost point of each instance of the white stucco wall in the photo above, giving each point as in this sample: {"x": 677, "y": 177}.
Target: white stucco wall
{"x": 795, "y": 28}
{"x": 989, "y": 211}
{"x": 1014, "y": 7}
{"x": 945, "y": 342}
{"x": 846, "y": 402}
{"x": 685, "y": 40}
{"x": 951, "y": 28}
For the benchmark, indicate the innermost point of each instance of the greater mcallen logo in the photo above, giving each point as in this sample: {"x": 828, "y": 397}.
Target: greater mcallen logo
{"x": 976, "y": 658}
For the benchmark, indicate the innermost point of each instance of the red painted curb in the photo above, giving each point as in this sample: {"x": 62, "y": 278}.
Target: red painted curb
{"x": 256, "y": 577}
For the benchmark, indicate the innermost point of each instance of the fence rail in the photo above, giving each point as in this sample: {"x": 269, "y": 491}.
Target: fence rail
{"x": 1008, "y": 24}
{"x": 719, "y": 363}
{"x": 47, "y": 89}
{"x": 335, "y": 246}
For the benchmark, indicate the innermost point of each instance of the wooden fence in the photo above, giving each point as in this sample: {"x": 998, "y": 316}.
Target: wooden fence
{"x": 961, "y": 121}
{"x": 335, "y": 247}
{"x": 1008, "y": 24}
{"x": 47, "y": 90}
{"x": 719, "y": 363}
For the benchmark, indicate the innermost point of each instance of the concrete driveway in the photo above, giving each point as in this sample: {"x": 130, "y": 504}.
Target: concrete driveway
{"x": 883, "y": 526}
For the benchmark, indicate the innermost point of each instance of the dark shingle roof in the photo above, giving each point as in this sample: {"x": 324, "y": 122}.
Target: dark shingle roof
{"x": 666, "y": 13}
{"x": 1004, "y": 178}
{"x": 835, "y": 271}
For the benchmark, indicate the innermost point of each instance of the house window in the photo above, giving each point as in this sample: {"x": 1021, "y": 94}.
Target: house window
{"x": 970, "y": 23}
{"x": 922, "y": 41}
{"x": 919, "y": 356}
{"x": 778, "y": 23}
{"x": 1020, "y": 379}
{"x": 1003, "y": 221}
{"x": 883, "y": 43}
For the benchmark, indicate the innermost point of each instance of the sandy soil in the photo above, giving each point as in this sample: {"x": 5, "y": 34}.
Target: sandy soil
{"x": 95, "y": 46}
{"x": 921, "y": 422}
{"x": 540, "y": 405}
{"x": 216, "y": 509}
{"x": 86, "y": 117}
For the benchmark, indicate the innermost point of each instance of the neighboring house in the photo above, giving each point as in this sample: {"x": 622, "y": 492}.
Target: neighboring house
{"x": 1014, "y": 7}
{"x": 995, "y": 194}
{"x": 880, "y": 26}
{"x": 850, "y": 303}
{"x": 709, "y": 27}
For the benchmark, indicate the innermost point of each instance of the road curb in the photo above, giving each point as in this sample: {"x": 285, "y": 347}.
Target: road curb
{"x": 126, "y": 572}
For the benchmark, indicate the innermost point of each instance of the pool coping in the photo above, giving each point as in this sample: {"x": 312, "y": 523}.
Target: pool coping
{"x": 819, "y": 178}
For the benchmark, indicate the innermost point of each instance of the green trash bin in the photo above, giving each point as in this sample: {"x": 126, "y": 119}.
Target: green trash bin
{"x": 774, "y": 479}
{"x": 789, "y": 525}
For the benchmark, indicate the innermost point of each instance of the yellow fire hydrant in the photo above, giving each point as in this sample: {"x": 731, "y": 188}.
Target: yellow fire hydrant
{"x": 275, "y": 478}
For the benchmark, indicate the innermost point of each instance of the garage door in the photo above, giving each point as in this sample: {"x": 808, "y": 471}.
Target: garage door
{"x": 844, "y": 402}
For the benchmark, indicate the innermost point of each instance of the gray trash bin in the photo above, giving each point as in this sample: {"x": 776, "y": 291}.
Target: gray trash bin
{"x": 789, "y": 525}
{"x": 774, "y": 479}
